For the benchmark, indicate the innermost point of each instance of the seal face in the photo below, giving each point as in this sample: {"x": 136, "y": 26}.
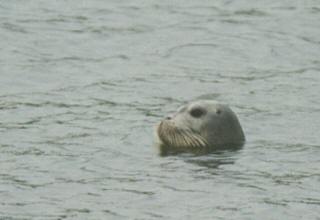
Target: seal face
{"x": 201, "y": 124}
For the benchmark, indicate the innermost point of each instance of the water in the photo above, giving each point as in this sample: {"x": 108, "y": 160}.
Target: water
{"x": 84, "y": 82}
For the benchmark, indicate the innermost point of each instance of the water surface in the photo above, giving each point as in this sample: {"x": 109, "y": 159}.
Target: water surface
{"x": 82, "y": 83}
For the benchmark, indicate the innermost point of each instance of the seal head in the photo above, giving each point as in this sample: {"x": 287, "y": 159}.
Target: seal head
{"x": 201, "y": 124}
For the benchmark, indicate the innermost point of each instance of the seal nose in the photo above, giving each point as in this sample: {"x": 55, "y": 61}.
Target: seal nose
{"x": 169, "y": 117}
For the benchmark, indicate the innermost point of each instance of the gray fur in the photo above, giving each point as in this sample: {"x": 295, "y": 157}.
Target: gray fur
{"x": 217, "y": 126}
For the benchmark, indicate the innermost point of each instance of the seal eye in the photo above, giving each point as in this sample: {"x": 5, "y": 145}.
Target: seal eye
{"x": 197, "y": 112}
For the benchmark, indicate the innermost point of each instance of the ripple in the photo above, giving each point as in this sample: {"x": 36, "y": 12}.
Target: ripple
{"x": 118, "y": 29}
{"x": 84, "y": 210}
{"x": 14, "y": 28}
{"x": 251, "y": 12}
{"x": 173, "y": 50}
{"x": 113, "y": 213}
{"x": 22, "y": 183}
{"x": 77, "y": 59}
{"x": 315, "y": 10}
{"x": 23, "y": 152}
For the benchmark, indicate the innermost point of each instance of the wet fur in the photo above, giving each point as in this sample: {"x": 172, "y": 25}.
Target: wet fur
{"x": 179, "y": 138}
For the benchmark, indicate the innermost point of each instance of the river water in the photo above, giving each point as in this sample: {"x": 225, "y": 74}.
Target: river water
{"x": 82, "y": 84}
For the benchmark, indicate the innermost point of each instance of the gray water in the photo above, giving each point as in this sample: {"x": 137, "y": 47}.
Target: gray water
{"x": 82, "y": 84}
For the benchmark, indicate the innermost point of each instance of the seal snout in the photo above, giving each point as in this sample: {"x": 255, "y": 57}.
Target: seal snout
{"x": 169, "y": 117}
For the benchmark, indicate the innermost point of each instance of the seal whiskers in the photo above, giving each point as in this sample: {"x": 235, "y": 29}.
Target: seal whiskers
{"x": 179, "y": 138}
{"x": 196, "y": 139}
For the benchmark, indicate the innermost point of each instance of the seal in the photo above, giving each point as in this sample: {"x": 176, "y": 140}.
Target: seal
{"x": 202, "y": 124}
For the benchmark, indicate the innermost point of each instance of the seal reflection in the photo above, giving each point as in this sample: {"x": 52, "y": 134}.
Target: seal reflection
{"x": 208, "y": 157}
{"x": 165, "y": 150}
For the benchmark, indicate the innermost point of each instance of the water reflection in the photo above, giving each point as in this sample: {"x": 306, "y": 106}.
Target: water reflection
{"x": 205, "y": 157}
